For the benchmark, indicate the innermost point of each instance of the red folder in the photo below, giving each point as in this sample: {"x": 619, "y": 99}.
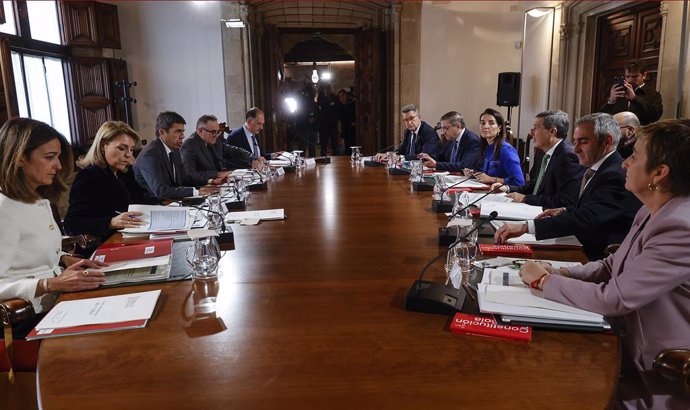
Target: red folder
{"x": 117, "y": 252}
{"x": 487, "y": 326}
{"x": 86, "y": 329}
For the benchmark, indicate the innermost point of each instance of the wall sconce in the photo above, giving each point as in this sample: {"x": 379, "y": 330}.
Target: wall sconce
{"x": 233, "y": 23}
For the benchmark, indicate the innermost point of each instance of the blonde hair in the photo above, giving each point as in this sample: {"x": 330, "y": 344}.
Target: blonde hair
{"x": 105, "y": 134}
{"x": 18, "y": 138}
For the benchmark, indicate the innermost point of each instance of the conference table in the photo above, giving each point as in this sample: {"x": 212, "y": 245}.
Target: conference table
{"x": 310, "y": 313}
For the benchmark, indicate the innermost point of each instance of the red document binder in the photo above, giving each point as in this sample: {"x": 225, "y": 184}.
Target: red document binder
{"x": 117, "y": 252}
{"x": 487, "y": 326}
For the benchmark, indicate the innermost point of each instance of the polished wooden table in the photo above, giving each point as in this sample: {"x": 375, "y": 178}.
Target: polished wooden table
{"x": 310, "y": 314}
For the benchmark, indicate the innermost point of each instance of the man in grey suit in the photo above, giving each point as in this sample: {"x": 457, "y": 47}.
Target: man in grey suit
{"x": 159, "y": 169}
{"x": 203, "y": 153}
{"x": 558, "y": 182}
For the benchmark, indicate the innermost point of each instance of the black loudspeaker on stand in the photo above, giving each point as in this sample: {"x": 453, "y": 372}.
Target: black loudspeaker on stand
{"x": 508, "y": 92}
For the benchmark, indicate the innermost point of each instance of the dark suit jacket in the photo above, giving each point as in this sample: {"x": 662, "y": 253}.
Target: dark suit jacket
{"x": 237, "y": 138}
{"x": 646, "y": 105}
{"x": 153, "y": 171}
{"x": 95, "y": 197}
{"x": 602, "y": 215}
{"x": 427, "y": 141}
{"x": 560, "y": 185}
{"x": 203, "y": 161}
{"x": 467, "y": 156}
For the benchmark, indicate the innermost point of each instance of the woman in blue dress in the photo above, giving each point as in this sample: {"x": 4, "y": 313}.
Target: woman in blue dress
{"x": 498, "y": 161}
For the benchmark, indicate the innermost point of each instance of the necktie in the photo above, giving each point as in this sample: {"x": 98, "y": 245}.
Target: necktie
{"x": 172, "y": 165}
{"x": 255, "y": 149}
{"x": 412, "y": 150}
{"x": 542, "y": 171}
{"x": 588, "y": 175}
{"x": 454, "y": 154}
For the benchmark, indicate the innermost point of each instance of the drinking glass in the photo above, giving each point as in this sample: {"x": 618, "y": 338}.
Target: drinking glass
{"x": 392, "y": 159}
{"x": 439, "y": 186}
{"x": 356, "y": 156}
{"x": 417, "y": 172}
{"x": 203, "y": 257}
{"x": 214, "y": 216}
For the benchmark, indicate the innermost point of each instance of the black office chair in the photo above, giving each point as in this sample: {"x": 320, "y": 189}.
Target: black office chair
{"x": 673, "y": 365}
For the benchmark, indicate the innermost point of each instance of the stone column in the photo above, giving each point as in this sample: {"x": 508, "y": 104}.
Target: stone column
{"x": 236, "y": 63}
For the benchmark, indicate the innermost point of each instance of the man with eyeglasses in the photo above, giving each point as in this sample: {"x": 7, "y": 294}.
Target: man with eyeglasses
{"x": 418, "y": 136}
{"x": 635, "y": 95}
{"x": 245, "y": 137}
{"x": 462, "y": 149}
{"x": 628, "y": 123}
{"x": 203, "y": 153}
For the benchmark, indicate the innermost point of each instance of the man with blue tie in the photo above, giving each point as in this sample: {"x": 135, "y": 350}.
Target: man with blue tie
{"x": 246, "y": 137}
{"x": 418, "y": 136}
{"x": 462, "y": 149}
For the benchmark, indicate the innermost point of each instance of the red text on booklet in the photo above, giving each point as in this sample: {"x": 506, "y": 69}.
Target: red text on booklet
{"x": 517, "y": 250}
{"x": 487, "y": 326}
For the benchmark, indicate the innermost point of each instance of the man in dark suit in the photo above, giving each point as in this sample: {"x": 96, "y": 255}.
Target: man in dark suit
{"x": 628, "y": 123}
{"x": 604, "y": 211}
{"x": 635, "y": 96}
{"x": 462, "y": 149}
{"x": 203, "y": 153}
{"x": 418, "y": 137}
{"x": 159, "y": 169}
{"x": 246, "y": 137}
{"x": 557, "y": 184}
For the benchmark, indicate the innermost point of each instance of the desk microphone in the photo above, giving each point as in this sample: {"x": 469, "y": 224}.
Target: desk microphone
{"x": 225, "y": 235}
{"x": 454, "y": 214}
{"x": 438, "y": 126}
{"x": 292, "y": 166}
{"x": 493, "y": 215}
{"x": 323, "y": 160}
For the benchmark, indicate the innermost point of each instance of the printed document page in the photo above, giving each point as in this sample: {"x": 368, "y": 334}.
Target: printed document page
{"x": 159, "y": 218}
{"x": 109, "y": 309}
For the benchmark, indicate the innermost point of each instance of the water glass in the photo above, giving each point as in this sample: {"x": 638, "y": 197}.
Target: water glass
{"x": 356, "y": 156}
{"x": 417, "y": 172}
{"x": 214, "y": 216}
{"x": 203, "y": 257}
{"x": 392, "y": 159}
{"x": 439, "y": 186}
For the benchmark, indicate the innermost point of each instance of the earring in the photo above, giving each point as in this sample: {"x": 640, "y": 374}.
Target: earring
{"x": 653, "y": 187}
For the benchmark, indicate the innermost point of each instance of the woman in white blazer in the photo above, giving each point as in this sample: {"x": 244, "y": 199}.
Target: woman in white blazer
{"x": 34, "y": 160}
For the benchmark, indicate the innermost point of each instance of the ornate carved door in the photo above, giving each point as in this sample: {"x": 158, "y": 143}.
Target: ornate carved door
{"x": 625, "y": 35}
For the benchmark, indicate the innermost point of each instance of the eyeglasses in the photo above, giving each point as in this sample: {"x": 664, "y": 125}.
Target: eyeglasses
{"x": 449, "y": 127}
{"x": 410, "y": 119}
{"x": 214, "y": 132}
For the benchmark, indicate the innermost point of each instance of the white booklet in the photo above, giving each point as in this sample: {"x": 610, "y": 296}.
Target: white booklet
{"x": 264, "y": 215}
{"x": 510, "y": 210}
{"x": 108, "y": 309}
{"x": 159, "y": 218}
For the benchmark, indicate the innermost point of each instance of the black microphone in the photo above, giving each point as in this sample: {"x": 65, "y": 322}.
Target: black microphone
{"x": 454, "y": 214}
{"x": 322, "y": 160}
{"x": 261, "y": 186}
{"x": 493, "y": 215}
{"x": 290, "y": 168}
{"x": 225, "y": 236}
{"x": 431, "y": 297}
{"x": 438, "y": 126}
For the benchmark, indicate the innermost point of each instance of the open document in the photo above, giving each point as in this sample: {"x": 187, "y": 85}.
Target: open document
{"x": 510, "y": 210}
{"x": 158, "y": 218}
{"x": 264, "y": 215}
{"x": 502, "y": 292}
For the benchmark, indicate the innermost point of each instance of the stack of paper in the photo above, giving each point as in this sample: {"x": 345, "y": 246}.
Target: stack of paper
{"x": 569, "y": 241}
{"x": 510, "y": 210}
{"x": 502, "y": 292}
{"x": 264, "y": 215}
{"x": 469, "y": 183}
{"x": 95, "y": 315}
{"x": 158, "y": 218}
{"x": 135, "y": 262}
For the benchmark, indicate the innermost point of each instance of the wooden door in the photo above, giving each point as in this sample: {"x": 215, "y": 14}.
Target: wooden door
{"x": 8, "y": 93}
{"x": 117, "y": 72}
{"x": 369, "y": 63}
{"x": 92, "y": 96}
{"x": 623, "y": 36}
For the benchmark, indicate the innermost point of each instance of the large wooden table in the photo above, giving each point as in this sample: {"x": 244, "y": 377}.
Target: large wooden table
{"x": 310, "y": 314}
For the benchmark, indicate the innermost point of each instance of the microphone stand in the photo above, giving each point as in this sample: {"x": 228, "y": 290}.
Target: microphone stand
{"x": 372, "y": 163}
{"x": 292, "y": 167}
{"x": 261, "y": 186}
{"x": 225, "y": 236}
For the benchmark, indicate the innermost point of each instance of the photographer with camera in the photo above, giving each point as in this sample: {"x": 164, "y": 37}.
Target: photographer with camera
{"x": 631, "y": 93}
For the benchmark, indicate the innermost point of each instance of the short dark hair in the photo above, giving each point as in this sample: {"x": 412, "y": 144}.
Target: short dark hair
{"x": 556, "y": 119}
{"x": 668, "y": 142}
{"x": 454, "y": 118}
{"x": 18, "y": 138}
{"x": 204, "y": 119}
{"x": 166, "y": 119}
{"x": 253, "y": 113}
{"x": 635, "y": 67}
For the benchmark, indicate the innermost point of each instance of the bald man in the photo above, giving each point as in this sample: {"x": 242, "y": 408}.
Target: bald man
{"x": 628, "y": 123}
